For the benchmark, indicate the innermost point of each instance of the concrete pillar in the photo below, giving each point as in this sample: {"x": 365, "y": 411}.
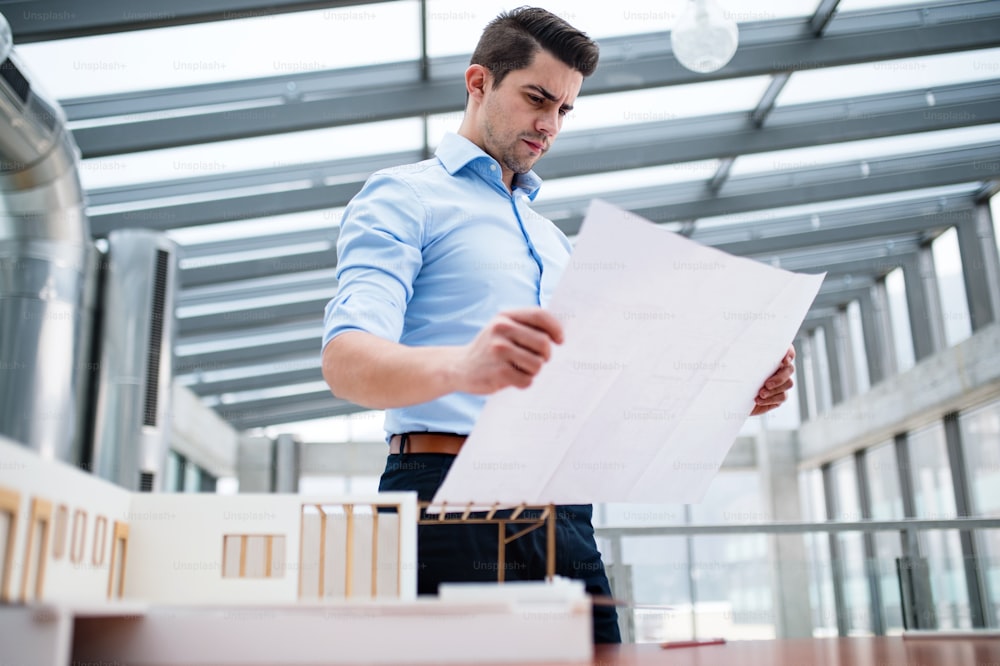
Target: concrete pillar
{"x": 876, "y": 326}
{"x": 255, "y": 464}
{"x": 924, "y": 304}
{"x": 834, "y": 360}
{"x": 286, "y": 464}
{"x": 802, "y": 371}
{"x": 821, "y": 379}
{"x": 777, "y": 457}
{"x": 980, "y": 267}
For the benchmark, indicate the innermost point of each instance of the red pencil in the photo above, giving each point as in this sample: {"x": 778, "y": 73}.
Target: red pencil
{"x": 695, "y": 643}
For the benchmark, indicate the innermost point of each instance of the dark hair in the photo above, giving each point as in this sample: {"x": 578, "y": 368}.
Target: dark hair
{"x": 512, "y": 39}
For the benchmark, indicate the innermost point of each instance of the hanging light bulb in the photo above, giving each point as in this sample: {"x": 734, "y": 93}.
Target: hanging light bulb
{"x": 704, "y": 38}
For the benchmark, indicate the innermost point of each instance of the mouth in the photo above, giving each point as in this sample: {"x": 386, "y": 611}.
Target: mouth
{"x": 535, "y": 147}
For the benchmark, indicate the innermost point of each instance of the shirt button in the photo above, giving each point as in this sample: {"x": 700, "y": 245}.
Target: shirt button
{"x": 493, "y": 167}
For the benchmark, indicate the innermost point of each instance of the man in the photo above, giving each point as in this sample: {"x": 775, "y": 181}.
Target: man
{"x": 444, "y": 272}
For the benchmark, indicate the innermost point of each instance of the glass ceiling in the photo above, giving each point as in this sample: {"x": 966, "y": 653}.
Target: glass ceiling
{"x": 385, "y": 32}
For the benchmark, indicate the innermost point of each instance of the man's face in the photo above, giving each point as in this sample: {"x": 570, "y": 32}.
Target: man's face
{"x": 521, "y": 118}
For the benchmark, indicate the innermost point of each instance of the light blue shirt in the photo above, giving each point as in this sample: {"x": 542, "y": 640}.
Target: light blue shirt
{"x": 429, "y": 252}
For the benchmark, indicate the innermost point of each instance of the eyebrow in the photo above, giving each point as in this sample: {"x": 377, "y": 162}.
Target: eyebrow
{"x": 549, "y": 96}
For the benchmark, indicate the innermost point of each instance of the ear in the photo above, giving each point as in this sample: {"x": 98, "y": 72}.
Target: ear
{"x": 477, "y": 78}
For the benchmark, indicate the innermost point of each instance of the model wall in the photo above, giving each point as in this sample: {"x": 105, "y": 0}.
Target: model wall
{"x": 82, "y": 510}
{"x": 193, "y": 548}
{"x": 205, "y": 548}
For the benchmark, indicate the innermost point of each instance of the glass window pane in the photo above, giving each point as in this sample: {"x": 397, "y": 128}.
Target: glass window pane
{"x": 659, "y": 573}
{"x": 608, "y": 183}
{"x": 235, "y": 49}
{"x": 454, "y": 26}
{"x": 899, "y": 317}
{"x": 857, "y": 599}
{"x": 951, "y": 286}
{"x": 732, "y": 579}
{"x": 732, "y": 573}
{"x": 797, "y": 159}
{"x": 874, "y": 78}
{"x": 980, "y": 430}
{"x": 817, "y": 553}
{"x": 666, "y": 103}
{"x": 265, "y": 152}
{"x": 934, "y": 496}
{"x": 886, "y": 504}
{"x": 855, "y": 5}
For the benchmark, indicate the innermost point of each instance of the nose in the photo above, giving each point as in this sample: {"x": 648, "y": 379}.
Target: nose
{"x": 548, "y": 122}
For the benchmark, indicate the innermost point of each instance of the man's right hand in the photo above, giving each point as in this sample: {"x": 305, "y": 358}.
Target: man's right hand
{"x": 509, "y": 351}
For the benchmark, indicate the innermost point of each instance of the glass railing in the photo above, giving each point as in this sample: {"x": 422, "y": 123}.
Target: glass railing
{"x": 768, "y": 580}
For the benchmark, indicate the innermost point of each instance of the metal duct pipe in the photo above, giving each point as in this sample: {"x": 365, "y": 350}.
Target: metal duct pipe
{"x": 47, "y": 271}
{"x": 131, "y": 434}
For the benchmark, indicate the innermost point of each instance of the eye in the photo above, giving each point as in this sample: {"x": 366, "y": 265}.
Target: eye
{"x": 535, "y": 99}
{"x": 563, "y": 112}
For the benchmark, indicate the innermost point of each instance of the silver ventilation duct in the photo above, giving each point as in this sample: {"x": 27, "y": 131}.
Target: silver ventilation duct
{"x": 47, "y": 271}
{"x": 137, "y": 329}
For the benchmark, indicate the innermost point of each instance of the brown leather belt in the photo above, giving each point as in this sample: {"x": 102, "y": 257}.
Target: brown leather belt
{"x": 428, "y": 442}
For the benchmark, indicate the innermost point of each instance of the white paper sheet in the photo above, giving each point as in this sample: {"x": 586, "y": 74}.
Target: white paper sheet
{"x": 667, "y": 343}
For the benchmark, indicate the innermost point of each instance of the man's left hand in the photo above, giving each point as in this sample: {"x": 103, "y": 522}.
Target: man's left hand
{"x": 775, "y": 388}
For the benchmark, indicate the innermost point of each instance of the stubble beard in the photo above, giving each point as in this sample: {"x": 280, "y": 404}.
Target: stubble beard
{"x": 506, "y": 153}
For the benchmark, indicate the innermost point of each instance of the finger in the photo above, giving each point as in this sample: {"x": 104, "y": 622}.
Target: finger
{"x": 767, "y": 391}
{"x": 526, "y": 341}
{"x": 762, "y": 409}
{"x": 780, "y": 376}
{"x": 524, "y": 361}
{"x": 539, "y": 319}
{"x": 775, "y": 398}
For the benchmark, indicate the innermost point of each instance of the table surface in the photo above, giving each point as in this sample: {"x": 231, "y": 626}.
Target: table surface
{"x": 876, "y": 651}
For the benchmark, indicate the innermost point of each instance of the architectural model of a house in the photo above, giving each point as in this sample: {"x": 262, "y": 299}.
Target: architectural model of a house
{"x": 92, "y": 573}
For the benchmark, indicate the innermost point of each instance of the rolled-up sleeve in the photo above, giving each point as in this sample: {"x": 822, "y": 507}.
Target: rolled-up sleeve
{"x": 378, "y": 258}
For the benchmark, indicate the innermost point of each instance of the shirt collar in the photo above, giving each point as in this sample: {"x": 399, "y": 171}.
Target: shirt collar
{"x": 456, "y": 152}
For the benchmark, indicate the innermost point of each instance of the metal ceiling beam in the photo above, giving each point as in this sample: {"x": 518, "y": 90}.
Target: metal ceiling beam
{"x": 229, "y": 359}
{"x": 306, "y": 312}
{"x": 591, "y": 151}
{"x": 843, "y": 226}
{"x": 259, "y": 413}
{"x": 302, "y": 369}
{"x": 840, "y": 298}
{"x": 196, "y": 252}
{"x": 250, "y": 206}
{"x": 304, "y": 412}
{"x": 314, "y": 172}
{"x": 34, "y": 21}
{"x": 845, "y": 180}
{"x": 760, "y": 239}
{"x": 628, "y": 63}
{"x": 251, "y": 291}
{"x": 259, "y": 268}
{"x": 871, "y": 267}
{"x": 769, "y": 98}
{"x": 264, "y": 380}
{"x": 798, "y": 126}
{"x": 822, "y": 16}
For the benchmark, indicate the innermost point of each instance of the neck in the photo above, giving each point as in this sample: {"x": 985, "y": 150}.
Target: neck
{"x": 505, "y": 174}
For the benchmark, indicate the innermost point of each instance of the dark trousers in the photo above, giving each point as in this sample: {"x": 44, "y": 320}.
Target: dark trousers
{"x": 454, "y": 553}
